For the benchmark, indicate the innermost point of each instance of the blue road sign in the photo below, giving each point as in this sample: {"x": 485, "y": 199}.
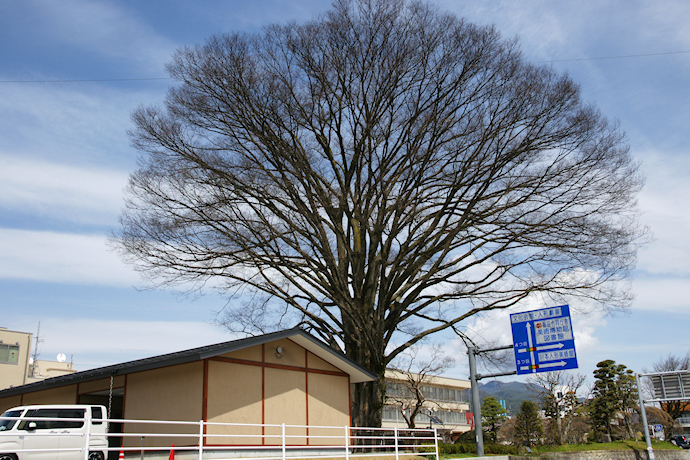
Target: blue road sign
{"x": 543, "y": 340}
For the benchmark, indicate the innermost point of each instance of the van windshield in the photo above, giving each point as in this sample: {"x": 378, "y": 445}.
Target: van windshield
{"x": 8, "y": 424}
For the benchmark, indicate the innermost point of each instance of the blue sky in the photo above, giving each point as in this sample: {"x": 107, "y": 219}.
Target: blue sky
{"x": 71, "y": 73}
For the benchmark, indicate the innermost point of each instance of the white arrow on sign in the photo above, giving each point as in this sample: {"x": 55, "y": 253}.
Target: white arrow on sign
{"x": 543, "y": 347}
{"x": 556, "y": 364}
{"x": 540, "y": 366}
{"x": 529, "y": 344}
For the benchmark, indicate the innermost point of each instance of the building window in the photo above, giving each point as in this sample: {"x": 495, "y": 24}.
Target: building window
{"x": 444, "y": 394}
{"x": 390, "y": 414}
{"x": 9, "y": 354}
{"x": 452, "y": 417}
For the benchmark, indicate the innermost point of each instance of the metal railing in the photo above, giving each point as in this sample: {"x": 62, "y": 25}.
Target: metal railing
{"x": 683, "y": 420}
{"x": 211, "y": 440}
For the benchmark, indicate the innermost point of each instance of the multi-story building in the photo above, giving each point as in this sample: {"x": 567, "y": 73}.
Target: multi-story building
{"x": 17, "y": 366}
{"x": 14, "y": 358}
{"x": 41, "y": 369}
{"x": 446, "y": 402}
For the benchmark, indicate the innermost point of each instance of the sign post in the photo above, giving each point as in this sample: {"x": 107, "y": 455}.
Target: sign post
{"x": 668, "y": 386}
{"x": 543, "y": 340}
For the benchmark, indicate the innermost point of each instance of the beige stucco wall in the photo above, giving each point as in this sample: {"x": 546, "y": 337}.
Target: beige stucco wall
{"x": 9, "y": 402}
{"x": 317, "y": 363}
{"x": 329, "y": 405}
{"x": 101, "y": 385}
{"x": 234, "y": 396}
{"x": 286, "y": 402}
{"x": 248, "y": 354}
{"x": 291, "y": 353}
{"x": 329, "y": 400}
{"x": 169, "y": 393}
{"x": 280, "y": 391}
{"x": 60, "y": 395}
{"x": 14, "y": 375}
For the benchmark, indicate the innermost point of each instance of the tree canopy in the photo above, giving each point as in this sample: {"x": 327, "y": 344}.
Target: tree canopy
{"x": 377, "y": 175}
{"x": 528, "y": 425}
{"x": 614, "y": 392}
{"x": 557, "y": 394}
{"x": 493, "y": 416}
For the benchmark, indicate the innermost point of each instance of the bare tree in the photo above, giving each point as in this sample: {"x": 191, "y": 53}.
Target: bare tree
{"x": 414, "y": 375}
{"x": 557, "y": 393}
{"x": 673, "y": 363}
{"x": 377, "y": 175}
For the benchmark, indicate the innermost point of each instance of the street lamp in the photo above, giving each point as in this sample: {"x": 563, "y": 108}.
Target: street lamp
{"x": 432, "y": 417}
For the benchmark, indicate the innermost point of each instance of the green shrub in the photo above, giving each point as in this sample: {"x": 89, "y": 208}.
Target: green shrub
{"x": 500, "y": 449}
{"x": 457, "y": 448}
{"x": 427, "y": 447}
{"x": 471, "y": 448}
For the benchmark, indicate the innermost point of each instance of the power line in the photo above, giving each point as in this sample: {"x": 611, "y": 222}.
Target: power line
{"x": 83, "y": 80}
{"x": 617, "y": 57}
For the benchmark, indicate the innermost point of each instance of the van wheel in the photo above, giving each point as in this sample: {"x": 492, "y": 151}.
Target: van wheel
{"x": 92, "y": 456}
{"x": 8, "y": 457}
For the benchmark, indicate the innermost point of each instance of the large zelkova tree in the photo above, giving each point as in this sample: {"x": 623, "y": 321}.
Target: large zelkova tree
{"x": 377, "y": 175}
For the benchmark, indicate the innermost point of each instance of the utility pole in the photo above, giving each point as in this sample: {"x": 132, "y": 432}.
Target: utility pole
{"x": 476, "y": 404}
{"x": 35, "y": 357}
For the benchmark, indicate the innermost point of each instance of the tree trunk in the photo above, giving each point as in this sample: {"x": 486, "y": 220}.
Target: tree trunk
{"x": 367, "y": 403}
{"x": 559, "y": 429}
{"x": 367, "y": 397}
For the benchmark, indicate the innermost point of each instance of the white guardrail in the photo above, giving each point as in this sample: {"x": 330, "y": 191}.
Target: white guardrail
{"x": 192, "y": 441}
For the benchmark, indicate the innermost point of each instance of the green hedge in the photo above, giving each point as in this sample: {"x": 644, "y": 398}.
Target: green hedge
{"x": 471, "y": 448}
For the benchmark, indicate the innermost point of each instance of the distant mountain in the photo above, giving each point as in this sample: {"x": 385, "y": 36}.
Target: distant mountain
{"x": 512, "y": 392}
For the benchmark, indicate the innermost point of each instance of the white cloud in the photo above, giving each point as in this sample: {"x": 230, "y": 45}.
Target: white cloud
{"x": 109, "y": 29}
{"x": 663, "y": 202}
{"x": 61, "y": 192}
{"x": 61, "y": 258}
{"x": 84, "y": 124}
{"x": 95, "y": 343}
{"x": 664, "y": 294}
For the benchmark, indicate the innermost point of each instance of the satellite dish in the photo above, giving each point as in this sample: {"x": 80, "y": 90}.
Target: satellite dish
{"x": 61, "y": 358}
{"x": 31, "y": 361}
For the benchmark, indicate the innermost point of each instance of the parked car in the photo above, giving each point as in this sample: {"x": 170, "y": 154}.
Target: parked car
{"x": 680, "y": 441}
{"x": 53, "y": 432}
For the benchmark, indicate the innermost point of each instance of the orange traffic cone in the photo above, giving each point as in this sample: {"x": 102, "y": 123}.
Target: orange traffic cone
{"x": 172, "y": 453}
{"x": 122, "y": 454}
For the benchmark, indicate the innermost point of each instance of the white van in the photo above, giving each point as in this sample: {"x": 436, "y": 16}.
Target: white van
{"x": 53, "y": 432}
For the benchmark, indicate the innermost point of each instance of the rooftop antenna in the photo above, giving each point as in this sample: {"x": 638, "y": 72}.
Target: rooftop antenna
{"x": 35, "y": 357}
